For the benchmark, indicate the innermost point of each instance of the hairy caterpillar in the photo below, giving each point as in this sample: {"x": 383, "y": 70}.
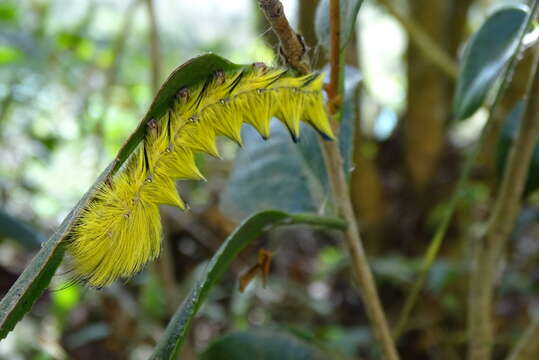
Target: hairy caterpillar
{"x": 120, "y": 230}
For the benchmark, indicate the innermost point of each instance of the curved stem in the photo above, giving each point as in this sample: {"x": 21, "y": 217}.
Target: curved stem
{"x": 500, "y": 224}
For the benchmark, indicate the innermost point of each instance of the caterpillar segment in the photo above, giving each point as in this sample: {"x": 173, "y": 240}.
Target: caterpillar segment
{"x": 120, "y": 231}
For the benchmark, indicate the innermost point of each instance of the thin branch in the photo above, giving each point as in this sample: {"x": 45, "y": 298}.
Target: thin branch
{"x": 471, "y": 159}
{"x": 293, "y": 49}
{"x": 500, "y": 224}
{"x": 333, "y": 89}
{"x": 431, "y": 50}
{"x": 528, "y": 346}
{"x": 358, "y": 258}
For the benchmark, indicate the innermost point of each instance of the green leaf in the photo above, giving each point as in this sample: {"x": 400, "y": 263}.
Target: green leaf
{"x": 10, "y": 55}
{"x": 37, "y": 275}
{"x": 8, "y": 13}
{"x": 68, "y": 40}
{"x": 282, "y": 175}
{"x": 507, "y": 137}
{"x": 15, "y": 229}
{"x": 81, "y": 46}
{"x": 485, "y": 56}
{"x": 246, "y": 232}
{"x": 261, "y": 344}
{"x": 277, "y": 173}
{"x": 349, "y": 11}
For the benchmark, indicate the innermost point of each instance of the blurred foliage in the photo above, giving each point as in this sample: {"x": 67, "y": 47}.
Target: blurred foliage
{"x": 19, "y": 231}
{"x": 69, "y": 96}
{"x": 247, "y": 231}
{"x": 263, "y": 345}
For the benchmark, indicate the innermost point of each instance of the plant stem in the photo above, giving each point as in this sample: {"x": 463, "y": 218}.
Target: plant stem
{"x": 499, "y": 226}
{"x": 343, "y": 202}
{"x": 324, "y": 221}
{"x": 421, "y": 39}
{"x": 293, "y": 48}
{"x": 471, "y": 159}
{"x": 334, "y": 88}
{"x": 358, "y": 258}
{"x": 528, "y": 346}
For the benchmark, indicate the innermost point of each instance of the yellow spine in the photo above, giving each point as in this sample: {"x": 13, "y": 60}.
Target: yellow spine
{"x": 120, "y": 231}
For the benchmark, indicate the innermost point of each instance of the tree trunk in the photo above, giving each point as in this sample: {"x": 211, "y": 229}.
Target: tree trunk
{"x": 428, "y": 99}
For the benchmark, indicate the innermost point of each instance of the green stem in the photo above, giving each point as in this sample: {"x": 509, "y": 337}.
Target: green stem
{"x": 323, "y": 221}
{"x": 500, "y": 223}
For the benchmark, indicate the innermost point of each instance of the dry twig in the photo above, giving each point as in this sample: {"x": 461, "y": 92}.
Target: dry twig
{"x": 294, "y": 51}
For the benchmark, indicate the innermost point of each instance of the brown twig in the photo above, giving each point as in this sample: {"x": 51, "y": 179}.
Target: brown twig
{"x": 358, "y": 257}
{"x": 293, "y": 48}
{"x": 431, "y": 50}
{"x": 499, "y": 226}
{"x": 343, "y": 202}
{"x": 334, "y": 101}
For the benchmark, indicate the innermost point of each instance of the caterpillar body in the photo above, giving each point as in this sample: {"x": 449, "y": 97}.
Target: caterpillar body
{"x": 119, "y": 231}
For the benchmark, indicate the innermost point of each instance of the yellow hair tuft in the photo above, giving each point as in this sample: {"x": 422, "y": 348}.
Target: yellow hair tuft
{"x": 120, "y": 231}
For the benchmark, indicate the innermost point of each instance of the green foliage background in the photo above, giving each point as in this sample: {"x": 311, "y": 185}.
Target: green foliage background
{"x": 75, "y": 80}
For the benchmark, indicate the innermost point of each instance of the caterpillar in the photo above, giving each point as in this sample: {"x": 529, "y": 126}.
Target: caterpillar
{"x": 119, "y": 231}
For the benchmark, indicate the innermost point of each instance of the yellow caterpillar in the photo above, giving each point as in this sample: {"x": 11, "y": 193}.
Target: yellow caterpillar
{"x": 120, "y": 230}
